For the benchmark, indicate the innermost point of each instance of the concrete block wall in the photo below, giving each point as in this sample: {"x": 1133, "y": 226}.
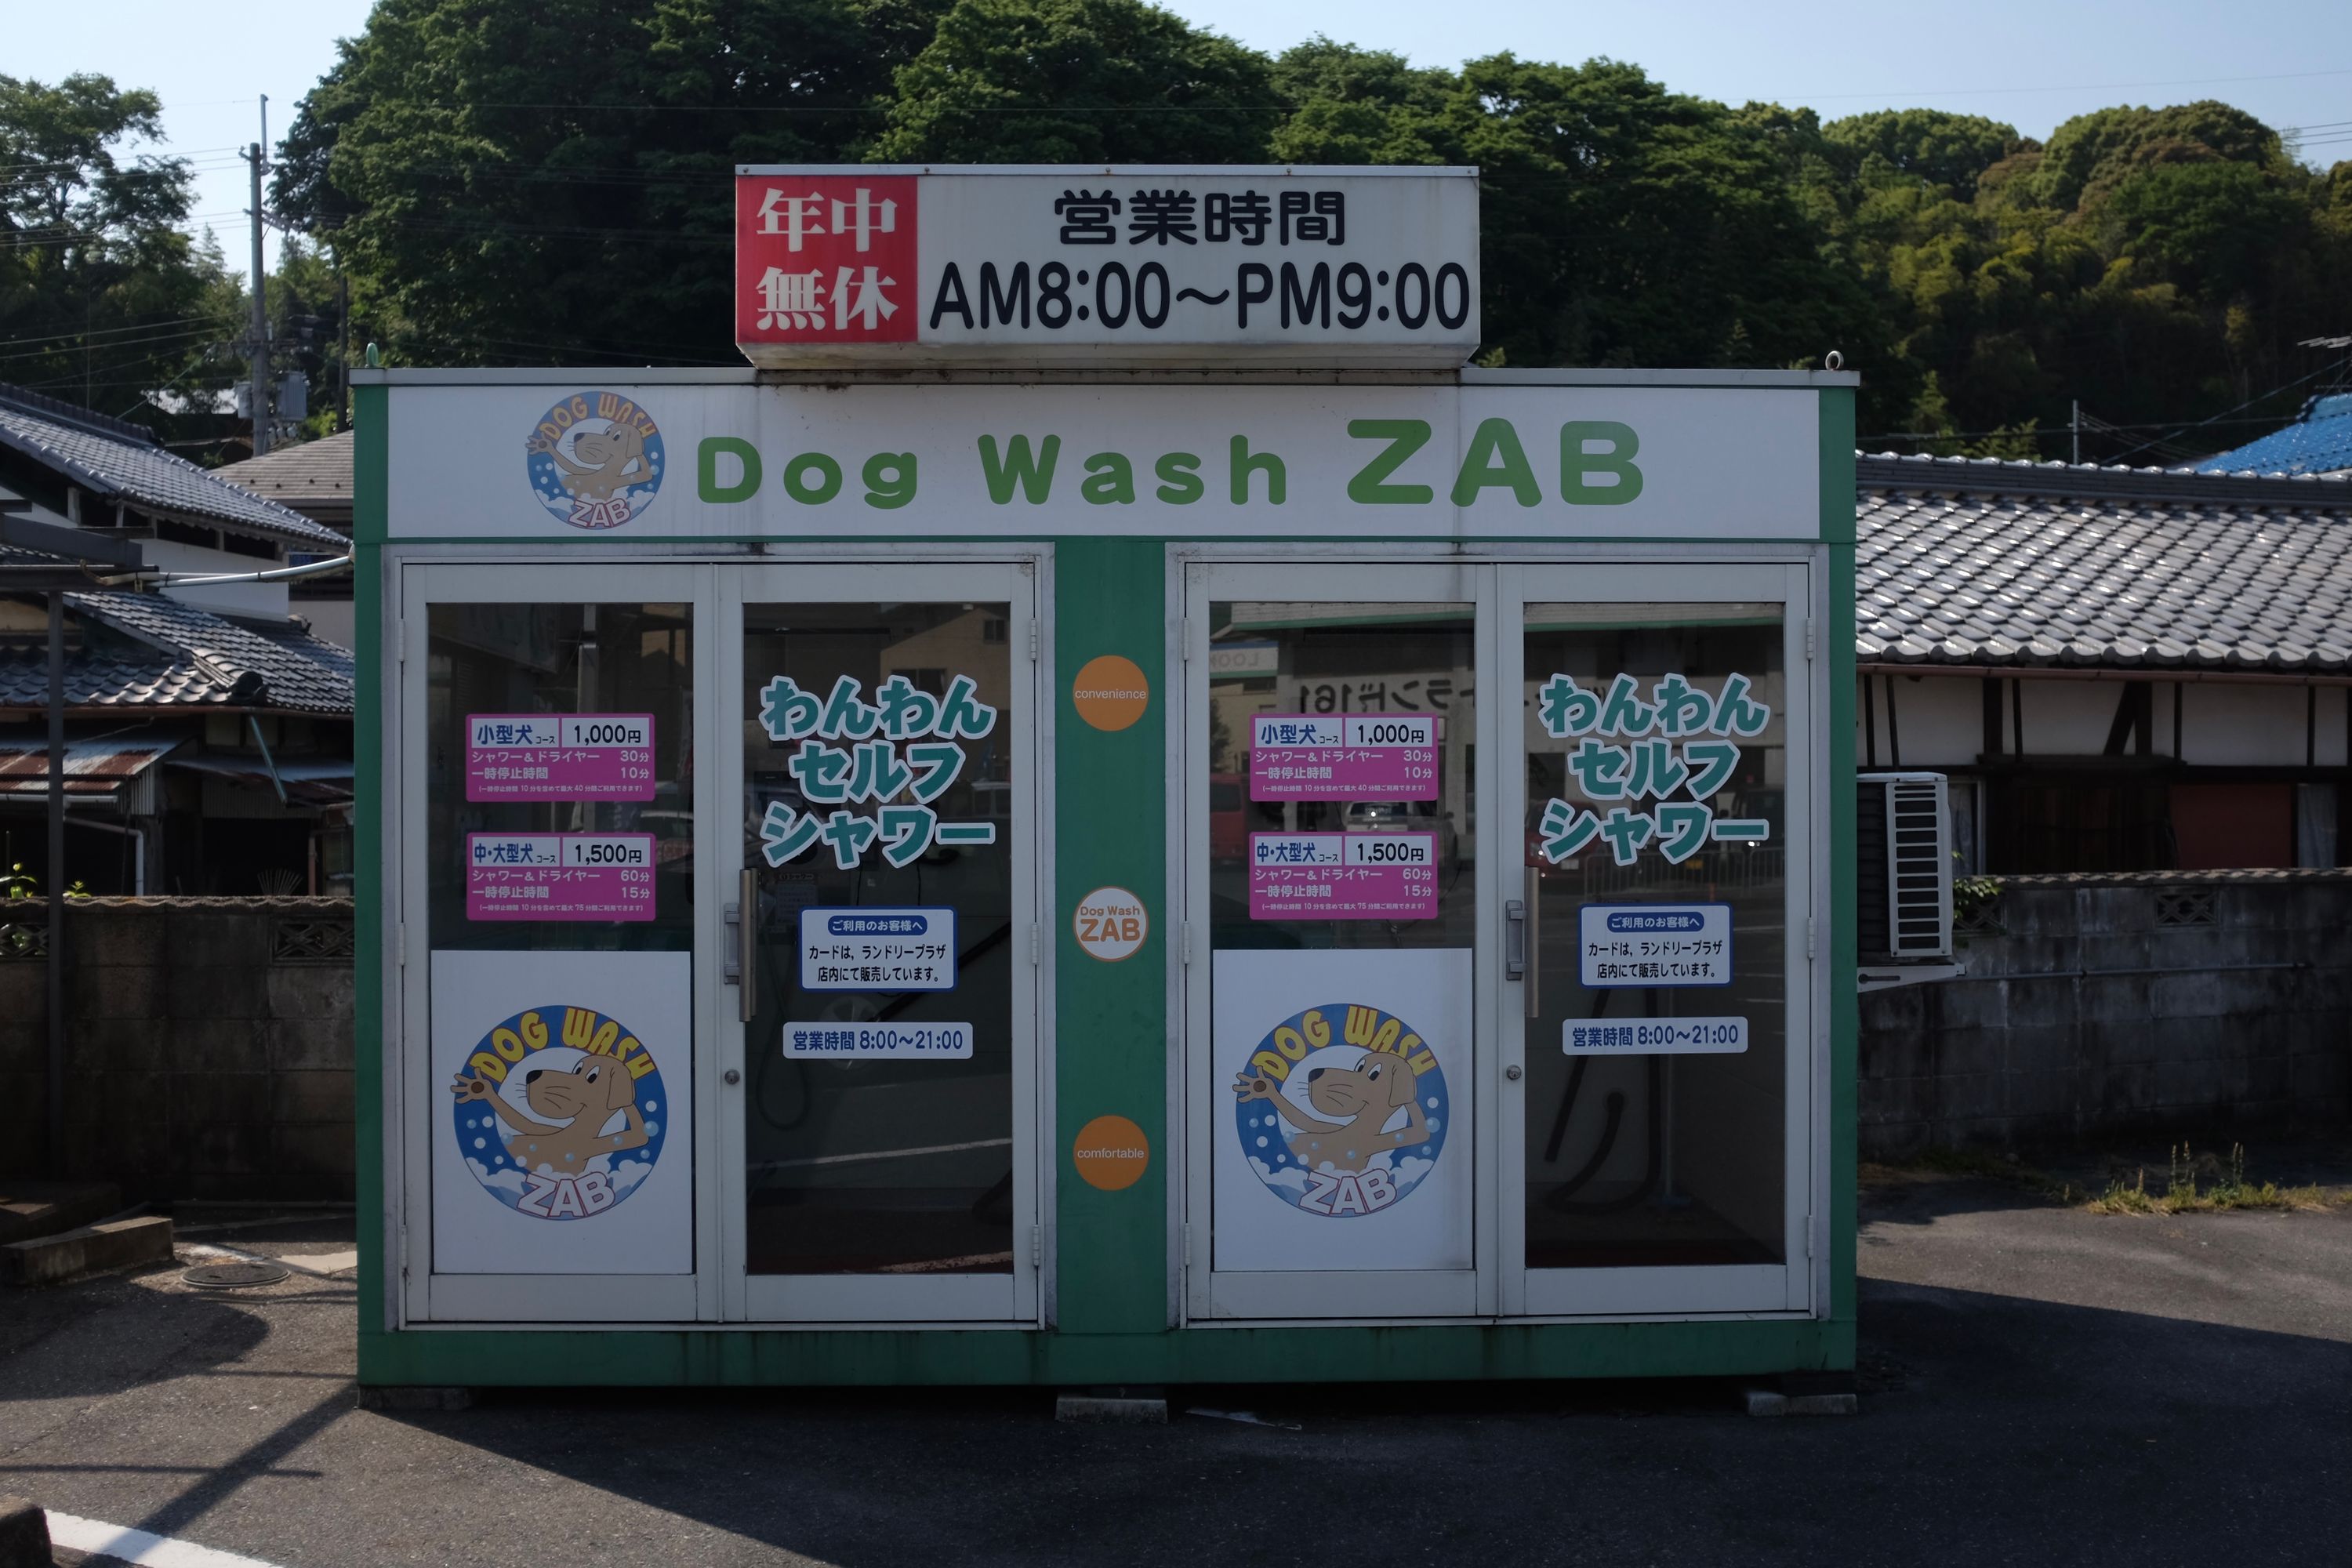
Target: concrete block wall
{"x": 2209, "y": 1002}
{"x": 208, "y": 1045}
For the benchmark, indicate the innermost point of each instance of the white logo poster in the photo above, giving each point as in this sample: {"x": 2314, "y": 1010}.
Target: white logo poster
{"x": 1344, "y": 1078}
{"x": 562, "y": 1113}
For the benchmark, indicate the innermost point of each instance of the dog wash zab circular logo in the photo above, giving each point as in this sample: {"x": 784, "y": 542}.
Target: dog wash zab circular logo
{"x": 595, "y": 460}
{"x": 1342, "y": 1109}
{"x": 560, "y": 1112}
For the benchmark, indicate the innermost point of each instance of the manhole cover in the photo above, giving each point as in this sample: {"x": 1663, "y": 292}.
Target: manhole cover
{"x": 231, "y": 1276}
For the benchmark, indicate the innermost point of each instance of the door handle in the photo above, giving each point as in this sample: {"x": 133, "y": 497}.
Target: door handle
{"x": 1515, "y": 939}
{"x": 1534, "y": 941}
{"x": 749, "y": 945}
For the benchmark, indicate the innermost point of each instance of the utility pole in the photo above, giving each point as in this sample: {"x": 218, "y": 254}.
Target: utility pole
{"x": 2076, "y": 425}
{"x": 258, "y": 348}
{"x": 343, "y": 359}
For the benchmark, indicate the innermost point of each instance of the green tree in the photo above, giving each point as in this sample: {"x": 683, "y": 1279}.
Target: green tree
{"x": 1943, "y": 149}
{"x": 1347, "y": 105}
{"x": 104, "y": 301}
{"x": 534, "y": 180}
{"x": 2105, "y": 143}
{"x": 1078, "y": 81}
{"x": 1626, "y": 225}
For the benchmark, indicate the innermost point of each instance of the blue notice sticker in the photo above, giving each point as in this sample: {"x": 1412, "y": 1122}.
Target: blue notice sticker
{"x": 1641, "y": 945}
{"x": 875, "y": 948}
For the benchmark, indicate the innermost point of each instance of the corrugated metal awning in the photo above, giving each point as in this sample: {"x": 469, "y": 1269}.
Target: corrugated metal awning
{"x": 95, "y": 770}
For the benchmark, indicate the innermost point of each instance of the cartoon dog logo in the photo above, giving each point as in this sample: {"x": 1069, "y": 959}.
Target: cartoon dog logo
{"x": 1341, "y": 1110}
{"x": 595, "y": 459}
{"x": 1367, "y": 1096}
{"x": 559, "y": 1112}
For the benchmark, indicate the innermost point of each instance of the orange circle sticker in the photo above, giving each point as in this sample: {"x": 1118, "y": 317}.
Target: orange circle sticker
{"x": 1111, "y": 1153}
{"x": 1110, "y": 692}
{"x": 1111, "y": 923}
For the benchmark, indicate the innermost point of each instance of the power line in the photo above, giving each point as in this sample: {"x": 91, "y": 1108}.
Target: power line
{"x": 2089, "y": 423}
{"x": 2074, "y": 87}
{"x": 185, "y": 335}
{"x": 2249, "y": 403}
{"x": 104, "y": 331}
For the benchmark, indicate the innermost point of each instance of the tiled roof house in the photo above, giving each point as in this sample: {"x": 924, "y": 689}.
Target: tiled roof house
{"x": 2121, "y": 669}
{"x": 208, "y": 731}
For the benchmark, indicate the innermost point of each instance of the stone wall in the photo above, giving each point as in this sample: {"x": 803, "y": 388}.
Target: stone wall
{"x": 208, "y": 1044}
{"x": 2195, "y": 1002}
{"x": 209, "y": 1040}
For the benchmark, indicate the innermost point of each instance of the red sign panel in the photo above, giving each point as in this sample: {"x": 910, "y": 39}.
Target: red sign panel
{"x": 825, "y": 258}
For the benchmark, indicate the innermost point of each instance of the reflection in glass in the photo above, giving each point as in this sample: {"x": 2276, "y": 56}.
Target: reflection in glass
{"x": 881, "y": 1165}
{"x": 1645, "y": 1159}
{"x": 1336, "y": 660}
{"x": 507, "y": 659}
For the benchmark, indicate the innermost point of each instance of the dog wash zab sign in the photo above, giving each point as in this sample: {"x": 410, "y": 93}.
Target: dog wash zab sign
{"x": 839, "y": 264}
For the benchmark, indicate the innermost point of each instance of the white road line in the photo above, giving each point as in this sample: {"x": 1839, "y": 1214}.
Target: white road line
{"x": 137, "y": 1546}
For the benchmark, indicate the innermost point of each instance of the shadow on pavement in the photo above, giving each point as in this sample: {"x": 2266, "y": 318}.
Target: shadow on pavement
{"x": 1994, "y": 1429}
{"x": 50, "y": 1347}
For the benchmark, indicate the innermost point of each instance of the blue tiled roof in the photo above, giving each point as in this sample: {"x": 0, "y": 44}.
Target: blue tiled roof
{"x": 2318, "y": 443}
{"x": 114, "y": 460}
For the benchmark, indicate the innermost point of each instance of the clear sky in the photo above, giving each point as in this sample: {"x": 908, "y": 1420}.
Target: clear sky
{"x": 2032, "y": 63}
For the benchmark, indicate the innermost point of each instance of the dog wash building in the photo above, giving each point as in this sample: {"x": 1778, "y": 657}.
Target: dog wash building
{"x": 1105, "y": 812}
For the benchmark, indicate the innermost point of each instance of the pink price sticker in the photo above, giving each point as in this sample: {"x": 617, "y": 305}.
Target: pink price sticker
{"x": 559, "y": 756}
{"x": 559, "y": 876}
{"x": 1343, "y": 876}
{"x": 1343, "y": 756}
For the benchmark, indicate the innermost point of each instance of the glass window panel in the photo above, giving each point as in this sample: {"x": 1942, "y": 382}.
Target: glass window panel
{"x": 531, "y": 660}
{"x": 903, "y": 1165}
{"x": 1334, "y": 661}
{"x": 1646, "y": 1159}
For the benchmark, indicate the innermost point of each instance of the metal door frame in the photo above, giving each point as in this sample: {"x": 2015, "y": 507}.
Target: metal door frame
{"x": 1021, "y": 577}
{"x": 518, "y": 1298}
{"x": 1675, "y": 571}
{"x": 1685, "y": 1290}
{"x": 1353, "y": 576}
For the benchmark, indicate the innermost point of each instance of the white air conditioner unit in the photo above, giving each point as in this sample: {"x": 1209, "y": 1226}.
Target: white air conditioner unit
{"x": 1903, "y": 840}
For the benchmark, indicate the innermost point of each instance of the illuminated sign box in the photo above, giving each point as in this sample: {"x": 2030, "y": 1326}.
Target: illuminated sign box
{"x": 888, "y": 265}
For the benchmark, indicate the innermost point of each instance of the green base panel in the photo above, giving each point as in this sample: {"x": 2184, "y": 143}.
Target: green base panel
{"x": 754, "y": 1358}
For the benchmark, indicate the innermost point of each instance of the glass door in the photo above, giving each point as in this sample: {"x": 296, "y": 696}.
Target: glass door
{"x": 1337, "y": 893}
{"x": 880, "y": 1148}
{"x": 543, "y": 835}
{"x": 1657, "y": 1085}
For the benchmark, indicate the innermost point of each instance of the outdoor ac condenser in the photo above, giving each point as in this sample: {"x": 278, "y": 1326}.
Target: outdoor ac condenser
{"x": 1904, "y": 860}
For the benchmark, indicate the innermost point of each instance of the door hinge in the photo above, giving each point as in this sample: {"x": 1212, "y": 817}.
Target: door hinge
{"x": 1808, "y": 640}
{"x": 404, "y": 1251}
{"x": 400, "y": 942}
{"x": 1184, "y": 644}
{"x": 1036, "y": 948}
{"x": 1036, "y": 1246}
{"x": 1184, "y": 944}
{"x": 1809, "y": 936}
{"x": 1188, "y": 1245}
{"x": 1810, "y": 1246}
{"x": 1033, "y": 641}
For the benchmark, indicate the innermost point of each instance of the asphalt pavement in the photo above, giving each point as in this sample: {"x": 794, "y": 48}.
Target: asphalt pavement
{"x": 2039, "y": 1386}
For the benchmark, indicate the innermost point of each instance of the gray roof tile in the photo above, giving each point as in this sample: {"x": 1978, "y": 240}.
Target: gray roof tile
{"x": 1981, "y": 563}
{"x": 284, "y": 667}
{"x": 122, "y": 461}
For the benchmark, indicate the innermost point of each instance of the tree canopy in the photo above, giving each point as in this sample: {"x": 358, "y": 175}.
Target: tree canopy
{"x": 549, "y": 181}
{"x": 104, "y": 299}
